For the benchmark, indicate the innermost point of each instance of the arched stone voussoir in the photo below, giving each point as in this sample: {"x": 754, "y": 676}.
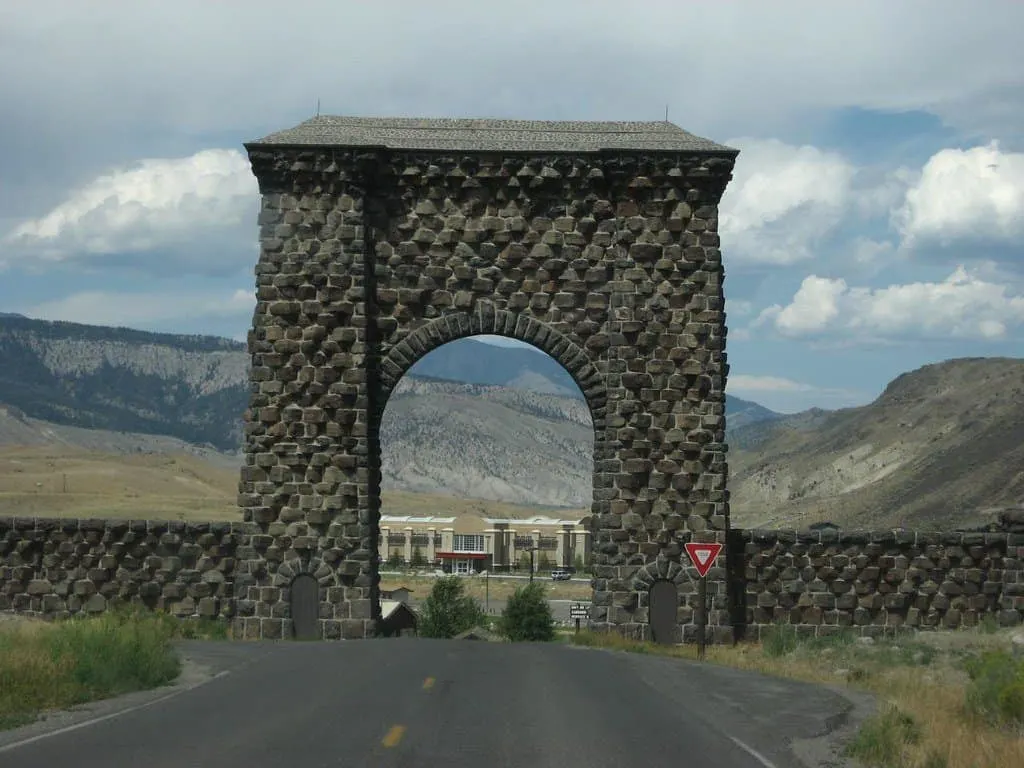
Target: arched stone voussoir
{"x": 487, "y": 319}
{"x": 314, "y": 566}
{"x": 661, "y": 569}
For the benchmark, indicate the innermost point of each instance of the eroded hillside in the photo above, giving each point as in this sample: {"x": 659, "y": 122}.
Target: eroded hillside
{"x": 943, "y": 445}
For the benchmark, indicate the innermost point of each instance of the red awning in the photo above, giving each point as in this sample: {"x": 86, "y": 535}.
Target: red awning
{"x": 461, "y": 555}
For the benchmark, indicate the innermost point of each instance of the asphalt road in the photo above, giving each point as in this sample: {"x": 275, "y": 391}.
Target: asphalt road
{"x": 457, "y": 704}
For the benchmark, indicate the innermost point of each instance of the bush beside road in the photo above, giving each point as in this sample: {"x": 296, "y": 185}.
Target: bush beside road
{"x": 947, "y": 699}
{"x": 55, "y": 665}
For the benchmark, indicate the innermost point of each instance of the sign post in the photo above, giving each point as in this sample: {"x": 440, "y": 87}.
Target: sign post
{"x": 703, "y": 557}
{"x": 578, "y": 611}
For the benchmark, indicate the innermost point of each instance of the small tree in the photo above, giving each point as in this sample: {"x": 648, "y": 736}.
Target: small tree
{"x": 394, "y": 561}
{"x": 527, "y": 615}
{"x": 578, "y": 563}
{"x": 543, "y": 562}
{"x": 524, "y": 561}
{"x": 418, "y": 560}
{"x": 448, "y": 610}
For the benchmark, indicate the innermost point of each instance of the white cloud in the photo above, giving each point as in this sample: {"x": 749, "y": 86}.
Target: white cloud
{"x": 964, "y": 195}
{"x": 745, "y": 383}
{"x": 739, "y": 307}
{"x": 788, "y": 396}
{"x": 782, "y": 200}
{"x": 159, "y": 203}
{"x": 963, "y": 306}
{"x": 137, "y": 310}
{"x": 875, "y": 54}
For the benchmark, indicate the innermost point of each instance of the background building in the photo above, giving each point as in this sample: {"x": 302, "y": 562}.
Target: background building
{"x": 468, "y": 544}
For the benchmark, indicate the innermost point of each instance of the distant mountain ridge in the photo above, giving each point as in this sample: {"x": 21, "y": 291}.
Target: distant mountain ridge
{"x": 195, "y": 388}
{"x": 942, "y": 446}
{"x": 523, "y": 367}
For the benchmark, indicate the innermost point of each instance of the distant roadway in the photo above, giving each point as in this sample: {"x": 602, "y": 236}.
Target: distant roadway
{"x": 435, "y": 703}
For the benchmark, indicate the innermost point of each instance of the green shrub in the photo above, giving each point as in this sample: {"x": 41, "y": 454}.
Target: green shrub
{"x": 780, "y": 639}
{"x": 837, "y": 640}
{"x": 996, "y": 690}
{"x": 448, "y": 610}
{"x": 418, "y": 560}
{"x": 83, "y": 659}
{"x": 527, "y": 615}
{"x": 394, "y": 561}
{"x": 882, "y": 739}
{"x": 988, "y": 624}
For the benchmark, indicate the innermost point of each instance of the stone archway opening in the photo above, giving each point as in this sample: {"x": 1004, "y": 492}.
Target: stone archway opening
{"x": 496, "y": 474}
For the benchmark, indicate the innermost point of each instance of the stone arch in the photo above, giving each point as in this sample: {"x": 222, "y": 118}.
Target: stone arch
{"x": 487, "y": 319}
{"x": 645, "y": 581}
{"x": 596, "y": 243}
{"x": 331, "y": 584}
{"x": 660, "y": 569}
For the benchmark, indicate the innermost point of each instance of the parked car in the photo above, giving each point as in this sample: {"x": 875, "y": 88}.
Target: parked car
{"x": 561, "y": 575}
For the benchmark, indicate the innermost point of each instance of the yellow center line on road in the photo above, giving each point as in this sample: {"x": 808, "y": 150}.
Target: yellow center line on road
{"x": 428, "y": 684}
{"x": 393, "y": 736}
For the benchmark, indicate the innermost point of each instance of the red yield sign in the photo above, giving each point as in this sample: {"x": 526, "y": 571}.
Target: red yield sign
{"x": 703, "y": 555}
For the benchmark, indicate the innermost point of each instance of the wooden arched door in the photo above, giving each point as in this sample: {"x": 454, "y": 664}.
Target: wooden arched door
{"x": 663, "y": 607}
{"x": 305, "y": 607}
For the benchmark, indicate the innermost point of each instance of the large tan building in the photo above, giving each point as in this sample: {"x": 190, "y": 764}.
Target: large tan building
{"x": 468, "y": 544}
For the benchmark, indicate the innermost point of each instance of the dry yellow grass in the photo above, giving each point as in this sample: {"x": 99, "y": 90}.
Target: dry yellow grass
{"x": 67, "y": 482}
{"x": 932, "y": 695}
{"x": 494, "y": 588}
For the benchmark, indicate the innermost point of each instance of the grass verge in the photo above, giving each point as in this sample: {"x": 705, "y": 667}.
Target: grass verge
{"x": 940, "y": 707}
{"x": 55, "y": 665}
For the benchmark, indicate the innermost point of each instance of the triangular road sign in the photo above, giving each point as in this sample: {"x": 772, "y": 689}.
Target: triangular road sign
{"x": 702, "y": 555}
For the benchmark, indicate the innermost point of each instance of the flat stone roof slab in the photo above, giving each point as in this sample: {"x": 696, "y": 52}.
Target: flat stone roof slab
{"x": 485, "y": 135}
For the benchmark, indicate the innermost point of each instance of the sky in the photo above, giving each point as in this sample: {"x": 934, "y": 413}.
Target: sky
{"x": 874, "y": 224}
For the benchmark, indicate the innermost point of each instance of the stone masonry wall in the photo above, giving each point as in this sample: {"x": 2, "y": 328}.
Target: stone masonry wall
{"x": 878, "y": 582}
{"x": 59, "y": 568}
{"x": 609, "y": 262}
{"x": 874, "y": 583}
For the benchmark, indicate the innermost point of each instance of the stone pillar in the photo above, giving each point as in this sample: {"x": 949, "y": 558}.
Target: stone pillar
{"x": 431, "y": 549}
{"x": 408, "y": 544}
{"x": 492, "y": 545}
{"x": 564, "y": 547}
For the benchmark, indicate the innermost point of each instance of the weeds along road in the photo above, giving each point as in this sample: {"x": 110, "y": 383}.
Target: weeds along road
{"x": 460, "y": 704}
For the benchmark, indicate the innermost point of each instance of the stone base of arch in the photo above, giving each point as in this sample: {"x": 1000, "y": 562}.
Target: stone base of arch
{"x": 626, "y": 613}
{"x": 264, "y": 604}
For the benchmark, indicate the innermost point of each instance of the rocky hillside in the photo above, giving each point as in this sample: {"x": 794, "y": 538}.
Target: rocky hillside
{"x": 193, "y": 388}
{"x": 942, "y": 446}
{"x": 484, "y": 442}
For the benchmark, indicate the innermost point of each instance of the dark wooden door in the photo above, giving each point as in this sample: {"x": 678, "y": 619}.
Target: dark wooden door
{"x": 662, "y": 611}
{"x": 305, "y": 605}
